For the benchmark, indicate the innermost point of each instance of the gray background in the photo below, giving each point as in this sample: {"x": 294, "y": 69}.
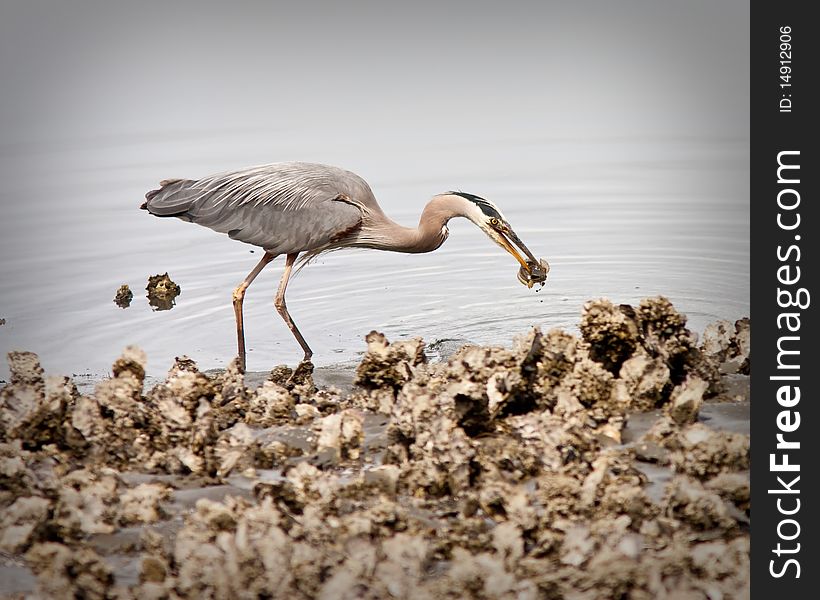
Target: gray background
{"x": 614, "y": 135}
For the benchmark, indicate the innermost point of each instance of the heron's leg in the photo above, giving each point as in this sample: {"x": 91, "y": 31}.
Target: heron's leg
{"x": 282, "y": 308}
{"x": 239, "y": 296}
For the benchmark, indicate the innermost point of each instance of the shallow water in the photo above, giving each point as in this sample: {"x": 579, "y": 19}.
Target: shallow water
{"x": 615, "y": 217}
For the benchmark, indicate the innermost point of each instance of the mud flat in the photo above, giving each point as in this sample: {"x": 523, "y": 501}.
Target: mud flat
{"x": 610, "y": 465}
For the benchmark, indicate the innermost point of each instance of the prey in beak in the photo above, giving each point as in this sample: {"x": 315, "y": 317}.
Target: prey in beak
{"x": 532, "y": 270}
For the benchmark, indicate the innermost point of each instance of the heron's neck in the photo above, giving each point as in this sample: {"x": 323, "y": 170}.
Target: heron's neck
{"x": 429, "y": 235}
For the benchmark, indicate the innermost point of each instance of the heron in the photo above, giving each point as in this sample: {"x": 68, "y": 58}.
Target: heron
{"x": 301, "y": 210}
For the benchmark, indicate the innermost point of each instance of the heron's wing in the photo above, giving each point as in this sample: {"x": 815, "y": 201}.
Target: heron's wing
{"x": 284, "y": 208}
{"x": 310, "y": 228}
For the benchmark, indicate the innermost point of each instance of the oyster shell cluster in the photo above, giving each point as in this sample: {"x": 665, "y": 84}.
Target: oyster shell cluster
{"x": 495, "y": 473}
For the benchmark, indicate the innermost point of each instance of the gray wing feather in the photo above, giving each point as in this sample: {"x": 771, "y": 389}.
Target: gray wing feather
{"x": 283, "y": 207}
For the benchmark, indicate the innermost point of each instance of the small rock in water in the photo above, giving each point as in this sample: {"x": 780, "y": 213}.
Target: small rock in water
{"x": 162, "y": 292}
{"x": 124, "y": 296}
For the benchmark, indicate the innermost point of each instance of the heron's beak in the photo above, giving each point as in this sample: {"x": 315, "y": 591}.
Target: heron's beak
{"x": 507, "y": 239}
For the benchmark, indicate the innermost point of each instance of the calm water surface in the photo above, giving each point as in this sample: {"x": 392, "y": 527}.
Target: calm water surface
{"x": 616, "y": 217}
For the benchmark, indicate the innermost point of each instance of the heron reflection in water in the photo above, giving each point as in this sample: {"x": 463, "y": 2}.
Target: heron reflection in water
{"x": 298, "y": 208}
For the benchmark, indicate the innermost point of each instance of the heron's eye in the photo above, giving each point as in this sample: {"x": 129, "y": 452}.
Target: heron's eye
{"x": 494, "y": 222}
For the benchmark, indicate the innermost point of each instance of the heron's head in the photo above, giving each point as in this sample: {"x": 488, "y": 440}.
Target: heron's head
{"x": 491, "y": 221}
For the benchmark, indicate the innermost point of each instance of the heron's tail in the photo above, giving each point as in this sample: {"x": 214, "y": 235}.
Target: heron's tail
{"x": 173, "y": 198}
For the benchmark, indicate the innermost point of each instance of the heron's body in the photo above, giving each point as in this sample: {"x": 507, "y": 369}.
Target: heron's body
{"x": 298, "y": 208}
{"x": 284, "y": 208}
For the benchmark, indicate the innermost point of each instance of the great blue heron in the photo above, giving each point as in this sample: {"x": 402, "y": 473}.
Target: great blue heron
{"x": 298, "y": 208}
